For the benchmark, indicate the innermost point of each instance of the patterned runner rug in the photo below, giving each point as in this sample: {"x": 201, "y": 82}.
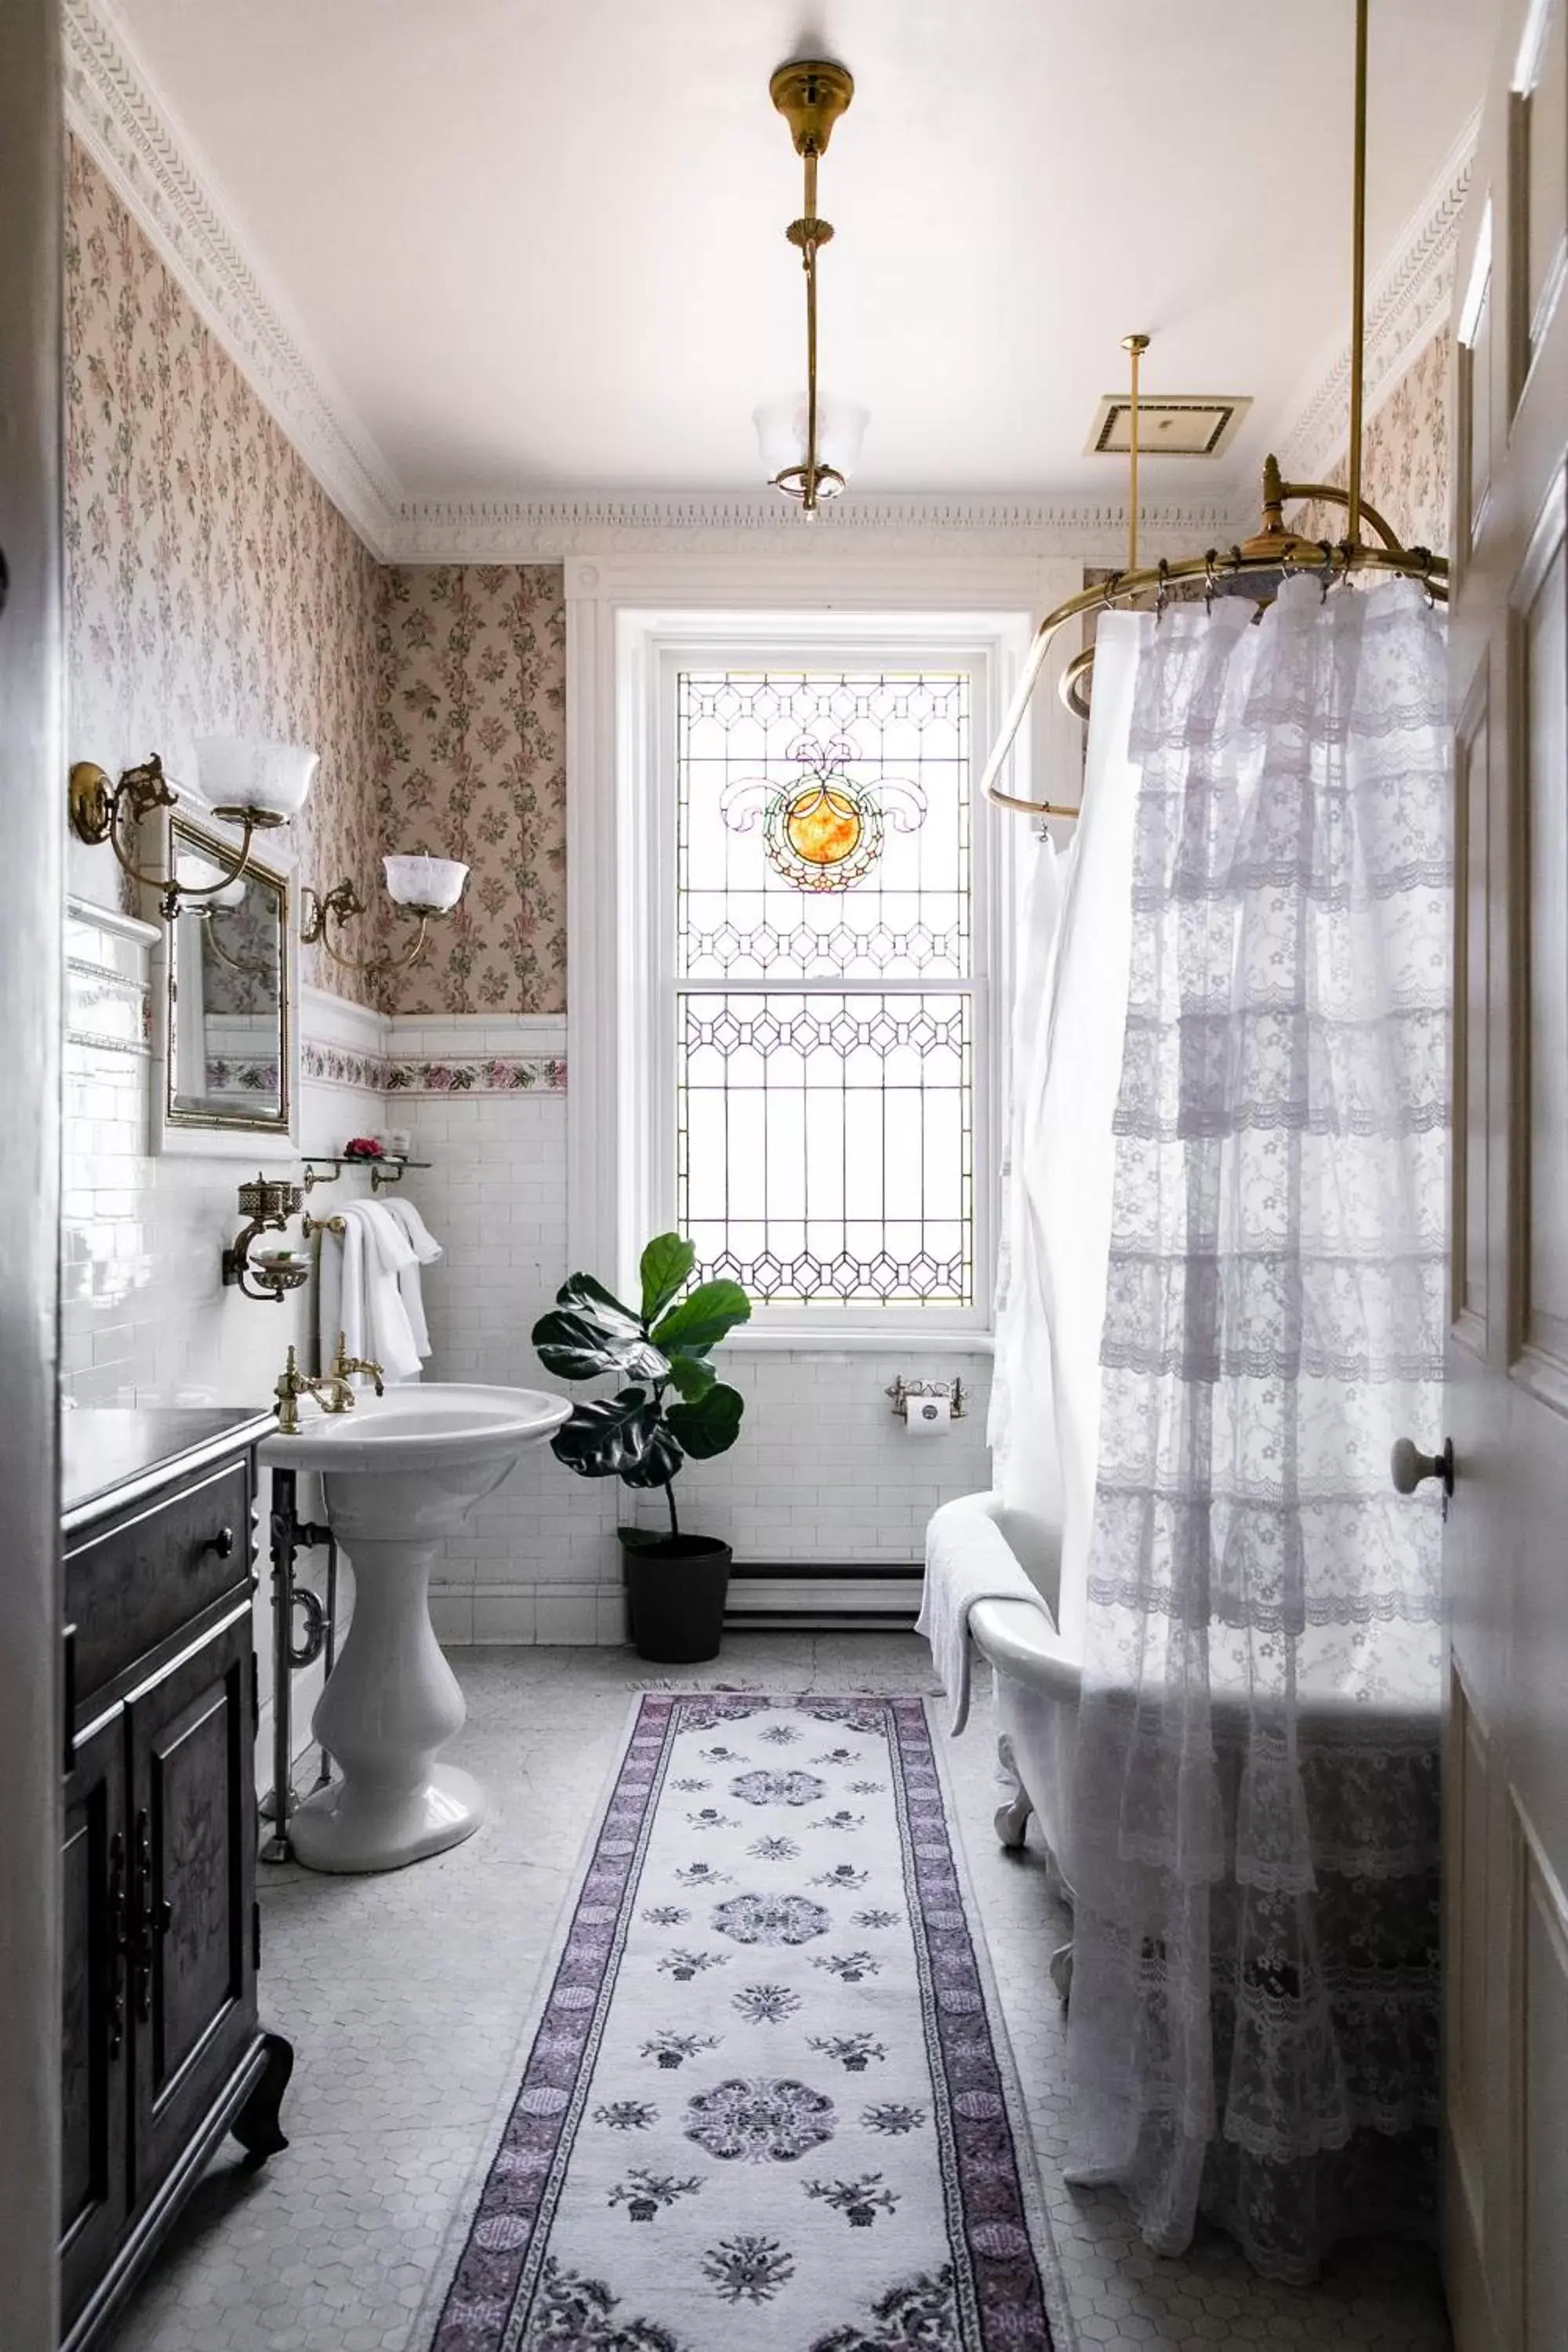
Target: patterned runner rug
{"x": 769, "y": 2105}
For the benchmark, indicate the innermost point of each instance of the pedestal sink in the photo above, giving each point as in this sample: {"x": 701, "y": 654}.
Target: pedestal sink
{"x": 401, "y": 1472}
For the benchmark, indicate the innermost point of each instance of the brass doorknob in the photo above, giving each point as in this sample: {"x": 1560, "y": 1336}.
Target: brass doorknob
{"x": 1408, "y": 1465}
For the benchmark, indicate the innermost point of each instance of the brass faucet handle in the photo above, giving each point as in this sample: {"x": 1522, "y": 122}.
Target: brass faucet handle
{"x": 287, "y": 1391}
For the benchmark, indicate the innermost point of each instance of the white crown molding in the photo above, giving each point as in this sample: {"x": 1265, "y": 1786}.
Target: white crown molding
{"x": 1410, "y": 301}
{"x": 115, "y": 108}
{"x": 609, "y": 522}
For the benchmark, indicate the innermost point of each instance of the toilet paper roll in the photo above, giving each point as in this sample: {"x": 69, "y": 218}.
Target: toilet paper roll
{"x": 927, "y": 1416}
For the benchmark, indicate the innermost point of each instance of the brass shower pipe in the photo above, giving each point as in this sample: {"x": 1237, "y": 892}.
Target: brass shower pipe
{"x": 1272, "y": 552}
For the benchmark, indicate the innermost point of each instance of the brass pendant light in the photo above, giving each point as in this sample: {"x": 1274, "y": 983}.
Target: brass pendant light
{"x": 811, "y": 93}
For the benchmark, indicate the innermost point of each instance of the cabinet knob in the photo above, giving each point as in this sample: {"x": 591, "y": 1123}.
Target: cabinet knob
{"x": 1407, "y": 1466}
{"x": 222, "y": 1544}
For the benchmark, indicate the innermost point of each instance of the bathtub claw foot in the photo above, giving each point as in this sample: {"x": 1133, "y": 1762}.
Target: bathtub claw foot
{"x": 1060, "y": 1971}
{"x": 1011, "y": 1819}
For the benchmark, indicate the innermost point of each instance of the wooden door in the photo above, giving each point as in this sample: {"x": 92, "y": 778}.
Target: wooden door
{"x": 190, "y": 1833}
{"x": 1505, "y": 1557}
{"x": 95, "y": 2172}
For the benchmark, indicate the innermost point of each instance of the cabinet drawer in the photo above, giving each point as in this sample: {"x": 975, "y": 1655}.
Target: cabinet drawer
{"x": 141, "y": 1577}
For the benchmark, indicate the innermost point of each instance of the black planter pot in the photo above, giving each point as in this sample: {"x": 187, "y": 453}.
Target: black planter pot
{"x": 676, "y": 1590}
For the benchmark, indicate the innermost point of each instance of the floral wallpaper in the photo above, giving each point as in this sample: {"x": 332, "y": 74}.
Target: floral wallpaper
{"x": 471, "y": 763}
{"x": 213, "y": 586}
{"x": 1405, "y": 457}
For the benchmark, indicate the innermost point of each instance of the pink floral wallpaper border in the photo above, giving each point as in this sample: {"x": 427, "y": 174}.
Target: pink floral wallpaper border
{"x": 491, "y": 1074}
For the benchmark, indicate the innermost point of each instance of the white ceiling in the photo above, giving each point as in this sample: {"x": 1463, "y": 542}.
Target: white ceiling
{"x": 537, "y": 244}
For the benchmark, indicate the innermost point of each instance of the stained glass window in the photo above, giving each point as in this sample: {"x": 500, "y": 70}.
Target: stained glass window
{"x": 825, "y": 983}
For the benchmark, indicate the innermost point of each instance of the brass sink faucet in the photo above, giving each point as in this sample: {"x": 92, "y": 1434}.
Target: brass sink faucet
{"x": 333, "y": 1391}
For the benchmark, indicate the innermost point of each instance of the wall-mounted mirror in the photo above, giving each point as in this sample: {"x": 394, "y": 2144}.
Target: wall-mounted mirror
{"x": 225, "y": 1005}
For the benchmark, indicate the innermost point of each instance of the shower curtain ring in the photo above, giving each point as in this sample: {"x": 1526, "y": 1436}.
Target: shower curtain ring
{"x": 1326, "y": 568}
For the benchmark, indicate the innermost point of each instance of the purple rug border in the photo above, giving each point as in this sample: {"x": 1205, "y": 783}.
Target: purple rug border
{"x": 1001, "y": 2287}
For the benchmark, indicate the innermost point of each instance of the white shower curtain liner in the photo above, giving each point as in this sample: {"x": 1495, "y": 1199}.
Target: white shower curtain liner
{"x": 1253, "y": 2024}
{"x": 1071, "y": 1010}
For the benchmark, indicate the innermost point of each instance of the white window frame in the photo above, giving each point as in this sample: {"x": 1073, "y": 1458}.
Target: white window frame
{"x": 623, "y": 645}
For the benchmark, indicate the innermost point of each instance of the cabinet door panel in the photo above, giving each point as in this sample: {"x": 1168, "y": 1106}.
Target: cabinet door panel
{"x": 192, "y": 1839}
{"x": 95, "y": 2158}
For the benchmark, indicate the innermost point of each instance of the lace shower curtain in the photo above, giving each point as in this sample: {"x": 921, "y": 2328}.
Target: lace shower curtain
{"x": 1254, "y": 2017}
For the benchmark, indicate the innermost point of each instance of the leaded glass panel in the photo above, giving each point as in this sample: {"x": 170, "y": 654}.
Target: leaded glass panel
{"x": 824, "y": 980}
{"x": 822, "y": 825}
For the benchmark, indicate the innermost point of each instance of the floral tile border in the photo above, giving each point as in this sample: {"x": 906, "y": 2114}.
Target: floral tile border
{"x": 339, "y": 1066}
{"x": 495, "y": 1074}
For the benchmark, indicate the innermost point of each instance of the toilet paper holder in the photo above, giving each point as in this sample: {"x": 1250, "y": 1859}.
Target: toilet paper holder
{"x": 903, "y": 1390}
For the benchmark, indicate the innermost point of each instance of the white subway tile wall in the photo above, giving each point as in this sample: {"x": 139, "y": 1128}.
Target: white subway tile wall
{"x": 823, "y": 1470}
{"x": 144, "y": 1316}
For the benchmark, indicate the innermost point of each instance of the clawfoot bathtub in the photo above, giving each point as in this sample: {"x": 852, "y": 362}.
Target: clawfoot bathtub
{"x": 1037, "y": 1680}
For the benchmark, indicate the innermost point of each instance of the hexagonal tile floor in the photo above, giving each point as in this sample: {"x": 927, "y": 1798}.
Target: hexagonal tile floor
{"x": 405, "y": 1996}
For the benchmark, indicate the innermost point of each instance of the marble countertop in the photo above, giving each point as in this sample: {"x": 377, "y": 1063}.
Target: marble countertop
{"x": 111, "y": 1453}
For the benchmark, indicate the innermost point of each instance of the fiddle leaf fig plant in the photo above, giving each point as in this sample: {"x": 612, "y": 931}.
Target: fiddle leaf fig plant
{"x": 672, "y": 1406}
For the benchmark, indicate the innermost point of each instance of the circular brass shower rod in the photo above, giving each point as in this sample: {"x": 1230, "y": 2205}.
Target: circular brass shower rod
{"x": 1271, "y": 555}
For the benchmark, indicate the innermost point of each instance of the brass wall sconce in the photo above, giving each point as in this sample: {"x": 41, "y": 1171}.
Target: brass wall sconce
{"x": 268, "y": 1203}
{"x": 810, "y": 442}
{"x": 428, "y": 887}
{"x": 246, "y": 782}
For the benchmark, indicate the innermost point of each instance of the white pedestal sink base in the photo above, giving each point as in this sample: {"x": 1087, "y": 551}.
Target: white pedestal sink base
{"x": 402, "y": 1473}
{"x": 345, "y": 1830}
{"x": 391, "y": 1704}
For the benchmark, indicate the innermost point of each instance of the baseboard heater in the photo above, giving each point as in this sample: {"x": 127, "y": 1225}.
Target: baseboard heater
{"x": 783, "y": 1595}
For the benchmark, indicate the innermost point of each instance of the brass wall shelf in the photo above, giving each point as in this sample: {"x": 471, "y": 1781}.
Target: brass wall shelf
{"x": 388, "y": 1169}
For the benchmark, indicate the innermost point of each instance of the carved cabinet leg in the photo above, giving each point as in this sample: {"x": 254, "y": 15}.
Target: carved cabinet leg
{"x": 257, "y": 2126}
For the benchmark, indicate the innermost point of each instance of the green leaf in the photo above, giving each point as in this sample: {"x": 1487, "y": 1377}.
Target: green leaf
{"x": 585, "y": 1296}
{"x": 609, "y": 1438}
{"x": 692, "y": 1376}
{"x": 658, "y": 1462}
{"x": 711, "y": 1423}
{"x": 704, "y": 1317}
{"x": 665, "y": 1263}
{"x": 579, "y": 1347}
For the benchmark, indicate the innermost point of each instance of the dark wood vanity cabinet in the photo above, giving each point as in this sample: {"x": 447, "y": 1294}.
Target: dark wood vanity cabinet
{"x": 163, "y": 2049}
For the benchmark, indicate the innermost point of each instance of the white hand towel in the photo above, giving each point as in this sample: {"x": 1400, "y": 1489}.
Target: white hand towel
{"x": 968, "y": 1560}
{"x": 375, "y": 1253}
{"x": 427, "y": 1249}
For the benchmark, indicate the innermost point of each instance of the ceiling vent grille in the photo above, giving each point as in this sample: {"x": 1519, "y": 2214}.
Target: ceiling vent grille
{"x": 1167, "y": 426}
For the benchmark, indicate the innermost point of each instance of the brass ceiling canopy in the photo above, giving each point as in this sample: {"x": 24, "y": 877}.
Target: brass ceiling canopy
{"x": 811, "y": 93}
{"x": 1271, "y": 551}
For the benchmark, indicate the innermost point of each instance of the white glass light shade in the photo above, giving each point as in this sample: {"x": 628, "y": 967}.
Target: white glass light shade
{"x": 436, "y": 883}
{"x": 244, "y": 771}
{"x": 202, "y": 875}
{"x": 781, "y": 430}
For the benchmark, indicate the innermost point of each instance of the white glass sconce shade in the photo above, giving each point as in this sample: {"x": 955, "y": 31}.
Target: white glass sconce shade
{"x": 433, "y": 885}
{"x": 782, "y": 427}
{"x": 200, "y": 876}
{"x": 243, "y": 771}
